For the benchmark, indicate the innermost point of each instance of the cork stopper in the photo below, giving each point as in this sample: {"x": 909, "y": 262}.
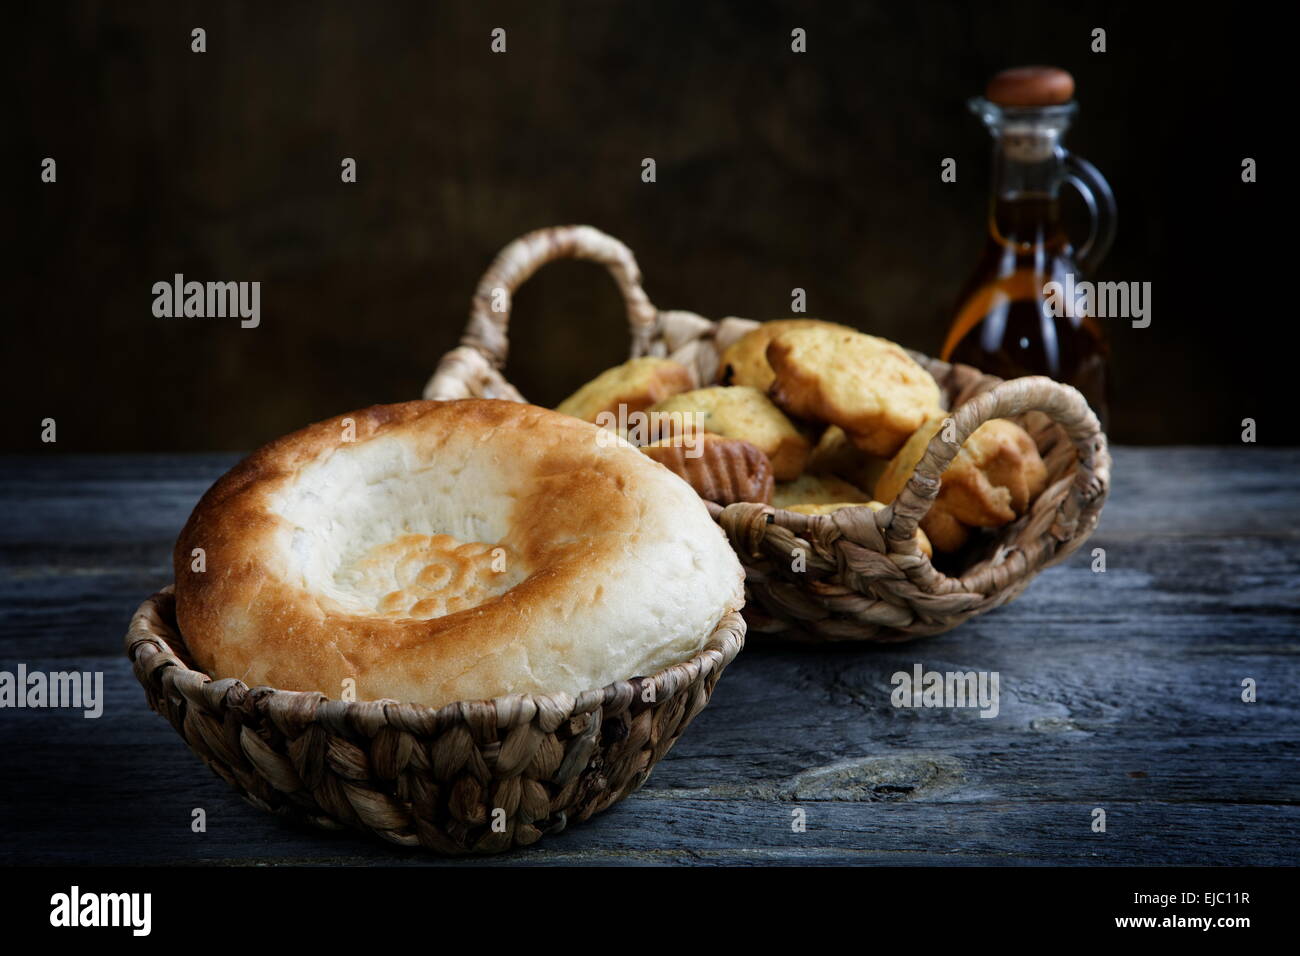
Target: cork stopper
{"x": 1031, "y": 86}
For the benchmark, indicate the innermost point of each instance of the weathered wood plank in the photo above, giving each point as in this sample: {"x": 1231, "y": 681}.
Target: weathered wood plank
{"x": 648, "y": 830}
{"x": 777, "y": 713}
{"x": 1119, "y": 690}
{"x": 783, "y": 727}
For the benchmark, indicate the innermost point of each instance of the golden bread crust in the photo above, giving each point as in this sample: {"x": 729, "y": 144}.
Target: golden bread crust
{"x": 450, "y": 551}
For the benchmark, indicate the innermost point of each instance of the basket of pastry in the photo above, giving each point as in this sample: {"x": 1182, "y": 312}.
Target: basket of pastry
{"x": 871, "y": 492}
{"x": 457, "y": 625}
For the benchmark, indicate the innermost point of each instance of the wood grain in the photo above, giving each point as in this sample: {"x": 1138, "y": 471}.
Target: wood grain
{"x": 1118, "y": 690}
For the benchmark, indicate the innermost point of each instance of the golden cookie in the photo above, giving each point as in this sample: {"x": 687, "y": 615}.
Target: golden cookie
{"x": 744, "y": 362}
{"x": 922, "y": 541}
{"x": 946, "y": 533}
{"x": 993, "y": 478}
{"x": 835, "y": 455}
{"x": 1009, "y": 458}
{"x": 744, "y": 413}
{"x": 636, "y": 384}
{"x": 868, "y": 386}
{"x": 725, "y": 470}
{"x": 816, "y": 490}
{"x": 900, "y": 468}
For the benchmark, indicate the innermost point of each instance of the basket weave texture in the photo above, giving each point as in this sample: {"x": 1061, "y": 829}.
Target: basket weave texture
{"x": 854, "y": 574}
{"x": 471, "y": 777}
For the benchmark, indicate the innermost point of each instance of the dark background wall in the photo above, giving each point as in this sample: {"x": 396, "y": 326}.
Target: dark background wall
{"x": 775, "y": 170}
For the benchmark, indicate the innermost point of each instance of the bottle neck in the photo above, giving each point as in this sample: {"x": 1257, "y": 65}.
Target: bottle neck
{"x": 1027, "y": 175}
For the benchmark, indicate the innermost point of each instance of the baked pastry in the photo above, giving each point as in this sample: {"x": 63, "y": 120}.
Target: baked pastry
{"x": 744, "y": 362}
{"x": 725, "y": 470}
{"x": 991, "y": 480}
{"x": 636, "y": 384}
{"x": 835, "y": 454}
{"x": 451, "y": 551}
{"x": 744, "y": 413}
{"x": 922, "y": 540}
{"x": 868, "y": 386}
{"x": 817, "y": 490}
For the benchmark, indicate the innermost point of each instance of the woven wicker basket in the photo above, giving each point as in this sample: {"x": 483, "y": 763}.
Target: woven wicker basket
{"x": 417, "y": 776}
{"x": 862, "y": 575}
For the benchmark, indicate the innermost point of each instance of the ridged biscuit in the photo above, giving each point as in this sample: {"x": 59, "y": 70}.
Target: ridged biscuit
{"x": 450, "y": 551}
{"x": 868, "y": 386}
{"x": 636, "y": 384}
{"x": 724, "y": 470}
{"x": 744, "y": 362}
{"x": 747, "y": 414}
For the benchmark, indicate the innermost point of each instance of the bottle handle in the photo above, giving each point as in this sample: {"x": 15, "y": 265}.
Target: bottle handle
{"x": 1096, "y": 193}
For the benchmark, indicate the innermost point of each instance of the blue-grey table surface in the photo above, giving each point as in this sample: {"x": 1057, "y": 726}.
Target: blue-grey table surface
{"x": 1119, "y": 690}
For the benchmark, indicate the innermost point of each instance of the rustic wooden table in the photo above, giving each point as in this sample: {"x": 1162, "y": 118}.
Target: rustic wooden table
{"x": 1119, "y": 690}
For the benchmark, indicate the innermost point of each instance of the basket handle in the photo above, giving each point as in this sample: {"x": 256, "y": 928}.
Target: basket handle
{"x": 1062, "y": 403}
{"x": 486, "y": 332}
